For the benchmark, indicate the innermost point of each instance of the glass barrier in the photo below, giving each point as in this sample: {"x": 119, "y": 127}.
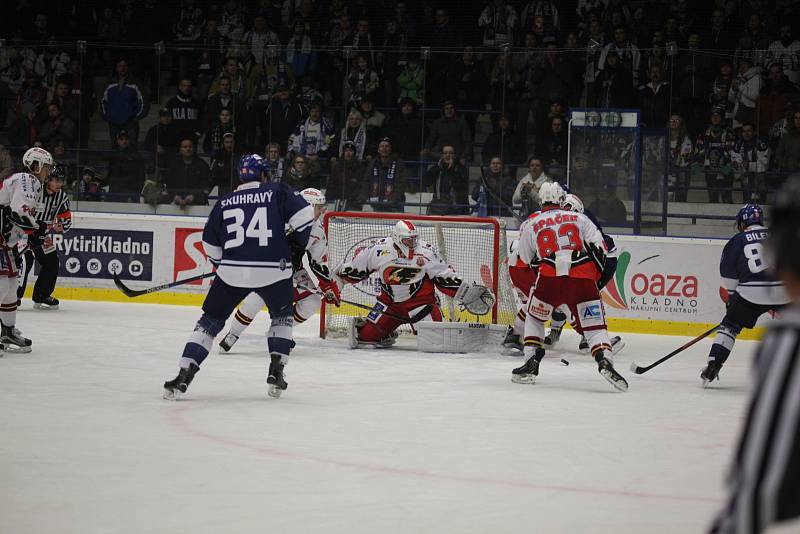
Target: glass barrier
{"x": 159, "y": 128}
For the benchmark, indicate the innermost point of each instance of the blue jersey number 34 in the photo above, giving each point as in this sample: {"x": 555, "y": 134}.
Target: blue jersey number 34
{"x": 256, "y": 227}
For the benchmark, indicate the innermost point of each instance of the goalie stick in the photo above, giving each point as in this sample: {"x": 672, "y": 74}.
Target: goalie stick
{"x": 128, "y": 292}
{"x": 356, "y": 304}
{"x": 640, "y": 370}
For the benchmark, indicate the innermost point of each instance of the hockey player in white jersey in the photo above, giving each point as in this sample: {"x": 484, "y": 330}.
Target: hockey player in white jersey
{"x": 20, "y": 196}
{"x": 410, "y": 271}
{"x": 307, "y": 296}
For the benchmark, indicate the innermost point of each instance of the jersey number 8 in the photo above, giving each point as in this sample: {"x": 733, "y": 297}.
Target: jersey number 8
{"x": 256, "y": 227}
{"x": 755, "y": 257}
{"x": 567, "y": 239}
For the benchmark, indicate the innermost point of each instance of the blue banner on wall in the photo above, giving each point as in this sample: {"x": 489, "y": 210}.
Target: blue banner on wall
{"x": 96, "y": 253}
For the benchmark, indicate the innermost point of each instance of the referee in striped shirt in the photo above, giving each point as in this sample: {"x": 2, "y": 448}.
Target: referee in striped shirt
{"x": 764, "y": 482}
{"x": 53, "y": 210}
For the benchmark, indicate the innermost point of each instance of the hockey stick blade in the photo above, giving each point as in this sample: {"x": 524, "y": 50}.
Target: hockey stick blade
{"x": 636, "y": 369}
{"x": 131, "y": 293}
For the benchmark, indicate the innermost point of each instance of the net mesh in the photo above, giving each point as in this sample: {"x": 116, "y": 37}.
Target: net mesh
{"x": 466, "y": 244}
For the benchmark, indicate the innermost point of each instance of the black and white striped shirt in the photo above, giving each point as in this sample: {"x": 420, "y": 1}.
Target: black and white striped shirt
{"x": 765, "y": 476}
{"x": 55, "y": 207}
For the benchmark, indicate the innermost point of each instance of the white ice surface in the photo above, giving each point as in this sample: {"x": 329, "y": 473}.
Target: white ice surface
{"x": 362, "y": 441}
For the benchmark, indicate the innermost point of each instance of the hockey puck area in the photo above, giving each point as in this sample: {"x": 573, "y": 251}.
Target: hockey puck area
{"x": 564, "y": 361}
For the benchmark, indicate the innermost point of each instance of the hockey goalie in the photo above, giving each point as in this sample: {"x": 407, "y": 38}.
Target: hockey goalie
{"x": 410, "y": 271}
{"x": 307, "y": 294}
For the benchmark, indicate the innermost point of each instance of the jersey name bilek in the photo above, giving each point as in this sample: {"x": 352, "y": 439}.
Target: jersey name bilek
{"x": 744, "y": 268}
{"x": 246, "y": 233}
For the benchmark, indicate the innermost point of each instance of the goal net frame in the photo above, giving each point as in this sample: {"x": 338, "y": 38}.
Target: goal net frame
{"x": 498, "y": 259}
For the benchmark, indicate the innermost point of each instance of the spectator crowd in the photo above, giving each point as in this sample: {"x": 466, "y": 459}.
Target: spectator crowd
{"x": 371, "y": 100}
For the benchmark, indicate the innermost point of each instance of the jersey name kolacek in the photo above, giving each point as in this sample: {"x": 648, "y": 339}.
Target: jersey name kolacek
{"x": 744, "y": 269}
{"x": 564, "y": 243}
{"x": 402, "y": 278}
{"x": 245, "y": 233}
{"x": 22, "y": 193}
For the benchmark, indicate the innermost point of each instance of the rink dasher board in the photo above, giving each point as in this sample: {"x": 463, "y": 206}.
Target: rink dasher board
{"x": 662, "y": 285}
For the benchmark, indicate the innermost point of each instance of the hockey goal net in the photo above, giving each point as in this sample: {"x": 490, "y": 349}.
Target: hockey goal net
{"x": 475, "y": 246}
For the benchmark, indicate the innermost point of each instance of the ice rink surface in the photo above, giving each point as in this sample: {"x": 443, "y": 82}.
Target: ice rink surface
{"x": 390, "y": 441}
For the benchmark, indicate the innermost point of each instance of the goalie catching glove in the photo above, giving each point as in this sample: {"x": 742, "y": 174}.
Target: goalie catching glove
{"x": 330, "y": 292}
{"x": 474, "y": 298}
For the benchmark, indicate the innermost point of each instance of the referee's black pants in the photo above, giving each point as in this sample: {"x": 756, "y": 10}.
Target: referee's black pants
{"x": 46, "y": 281}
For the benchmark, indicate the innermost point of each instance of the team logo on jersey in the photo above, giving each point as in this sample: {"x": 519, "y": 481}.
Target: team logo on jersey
{"x": 398, "y": 276}
{"x": 591, "y": 313}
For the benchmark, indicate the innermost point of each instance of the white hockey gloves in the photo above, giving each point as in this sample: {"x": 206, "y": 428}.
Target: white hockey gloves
{"x": 474, "y": 298}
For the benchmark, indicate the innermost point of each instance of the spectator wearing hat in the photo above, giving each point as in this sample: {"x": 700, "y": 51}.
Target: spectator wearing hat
{"x": 449, "y": 129}
{"x": 90, "y": 186}
{"x": 283, "y": 116}
{"x": 406, "y": 129}
{"x": 123, "y": 104}
{"x": 126, "y": 171}
{"x": 161, "y": 141}
{"x": 384, "y": 185}
{"x": 188, "y": 177}
{"x": 449, "y": 183}
{"x": 712, "y": 155}
{"x": 346, "y": 181}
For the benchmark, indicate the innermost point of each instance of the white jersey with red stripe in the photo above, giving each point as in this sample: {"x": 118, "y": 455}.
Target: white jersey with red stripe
{"x": 401, "y": 278}
{"x": 563, "y": 243}
{"x": 21, "y": 193}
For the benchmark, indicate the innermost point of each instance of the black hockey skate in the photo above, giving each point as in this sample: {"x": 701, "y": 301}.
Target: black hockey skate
{"x": 275, "y": 379}
{"x": 512, "y": 340}
{"x": 583, "y": 346}
{"x": 551, "y": 340}
{"x": 228, "y": 341}
{"x": 48, "y": 303}
{"x": 14, "y": 341}
{"x": 607, "y": 371}
{"x": 710, "y": 372}
{"x": 178, "y": 385}
{"x": 527, "y": 373}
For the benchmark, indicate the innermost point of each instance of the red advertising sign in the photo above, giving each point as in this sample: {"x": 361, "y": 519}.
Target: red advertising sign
{"x": 190, "y": 258}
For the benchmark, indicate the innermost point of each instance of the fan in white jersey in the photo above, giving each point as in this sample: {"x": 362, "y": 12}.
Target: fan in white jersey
{"x": 410, "y": 271}
{"x": 20, "y": 196}
{"x": 307, "y": 296}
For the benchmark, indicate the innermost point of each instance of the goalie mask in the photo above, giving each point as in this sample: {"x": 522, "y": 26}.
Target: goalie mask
{"x": 316, "y": 198}
{"x": 405, "y": 236}
{"x": 572, "y": 203}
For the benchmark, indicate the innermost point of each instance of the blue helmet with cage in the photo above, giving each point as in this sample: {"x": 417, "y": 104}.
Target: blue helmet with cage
{"x": 251, "y": 167}
{"x": 749, "y": 214}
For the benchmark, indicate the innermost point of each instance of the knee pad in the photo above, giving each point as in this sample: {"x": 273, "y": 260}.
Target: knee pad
{"x": 209, "y": 325}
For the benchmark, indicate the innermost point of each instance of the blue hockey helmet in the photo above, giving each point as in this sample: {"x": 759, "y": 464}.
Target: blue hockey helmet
{"x": 749, "y": 214}
{"x": 250, "y": 168}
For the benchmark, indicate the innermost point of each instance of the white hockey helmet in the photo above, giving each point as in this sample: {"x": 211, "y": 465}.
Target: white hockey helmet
{"x": 551, "y": 193}
{"x": 405, "y": 236}
{"x": 39, "y": 156}
{"x": 315, "y": 197}
{"x": 574, "y": 203}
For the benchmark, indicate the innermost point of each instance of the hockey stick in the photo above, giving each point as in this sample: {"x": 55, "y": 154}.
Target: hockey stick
{"x": 139, "y": 292}
{"x": 640, "y": 370}
{"x": 357, "y": 304}
{"x": 499, "y": 200}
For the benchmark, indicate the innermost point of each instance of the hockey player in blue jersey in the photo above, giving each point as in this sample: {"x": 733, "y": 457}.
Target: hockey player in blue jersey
{"x": 249, "y": 236}
{"x": 752, "y": 289}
